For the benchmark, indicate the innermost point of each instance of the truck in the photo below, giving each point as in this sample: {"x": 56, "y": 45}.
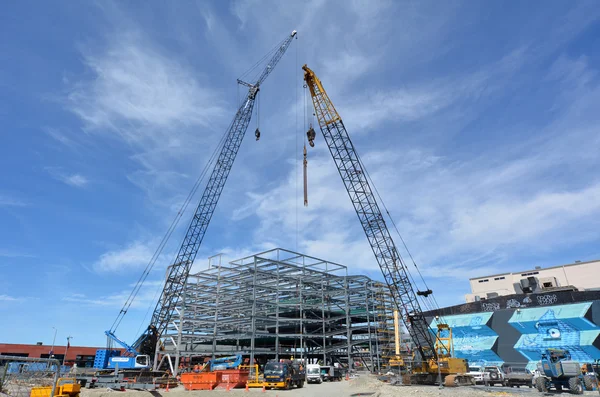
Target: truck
{"x": 559, "y": 371}
{"x": 284, "y": 374}
{"x": 331, "y": 373}
{"x": 313, "y": 373}
{"x": 515, "y": 376}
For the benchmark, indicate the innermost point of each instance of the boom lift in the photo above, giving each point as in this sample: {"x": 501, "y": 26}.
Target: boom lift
{"x": 397, "y": 361}
{"x": 150, "y": 341}
{"x": 435, "y": 357}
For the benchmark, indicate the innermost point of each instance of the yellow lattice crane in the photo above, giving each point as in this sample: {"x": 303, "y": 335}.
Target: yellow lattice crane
{"x": 435, "y": 355}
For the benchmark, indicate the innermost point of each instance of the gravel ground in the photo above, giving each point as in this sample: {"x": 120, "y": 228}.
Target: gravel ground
{"x": 365, "y": 385}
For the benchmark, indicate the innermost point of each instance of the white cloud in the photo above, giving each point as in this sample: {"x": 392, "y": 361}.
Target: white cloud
{"x": 75, "y": 180}
{"x": 14, "y": 299}
{"x": 14, "y": 254}
{"x": 396, "y": 105}
{"x": 513, "y": 220}
{"x": 134, "y": 83}
{"x": 151, "y": 100}
{"x": 7, "y": 201}
{"x": 62, "y": 137}
{"x": 143, "y": 300}
{"x": 135, "y": 255}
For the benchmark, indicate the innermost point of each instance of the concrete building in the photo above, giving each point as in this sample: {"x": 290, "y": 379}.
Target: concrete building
{"x": 581, "y": 276}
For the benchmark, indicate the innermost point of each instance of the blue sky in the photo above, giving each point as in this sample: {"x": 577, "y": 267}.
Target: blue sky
{"x": 478, "y": 122}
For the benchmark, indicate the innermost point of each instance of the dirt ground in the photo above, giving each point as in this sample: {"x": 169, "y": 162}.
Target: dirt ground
{"x": 365, "y": 385}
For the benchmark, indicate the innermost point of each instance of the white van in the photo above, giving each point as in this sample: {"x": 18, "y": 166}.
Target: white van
{"x": 313, "y": 373}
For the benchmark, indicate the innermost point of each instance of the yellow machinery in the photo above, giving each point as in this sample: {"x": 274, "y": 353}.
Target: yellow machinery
{"x": 397, "y": 362}
{"x": 452, "y": 370}
{"x": 65, "y": 387}
{"x": 254, "y": 378}
{"x": 435, "y": 359}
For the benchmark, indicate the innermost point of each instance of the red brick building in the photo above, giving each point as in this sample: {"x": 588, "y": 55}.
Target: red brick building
{"x": 80, "y": 355}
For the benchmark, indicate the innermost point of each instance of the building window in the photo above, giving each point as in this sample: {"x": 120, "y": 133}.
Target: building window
{"x": 499, "y": 278}
{"x": 529, "y": 274}
{"x": 484, "y": 281}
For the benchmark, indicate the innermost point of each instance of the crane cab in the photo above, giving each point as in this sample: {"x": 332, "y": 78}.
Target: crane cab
{"x": 139, "y": 361}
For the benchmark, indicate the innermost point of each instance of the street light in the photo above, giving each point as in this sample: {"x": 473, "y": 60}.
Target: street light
{"x": 53, "y": 340}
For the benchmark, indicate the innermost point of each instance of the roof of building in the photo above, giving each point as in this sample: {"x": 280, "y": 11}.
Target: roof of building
{"x": 534, "y": 270}
{"x": 507, "y": 302}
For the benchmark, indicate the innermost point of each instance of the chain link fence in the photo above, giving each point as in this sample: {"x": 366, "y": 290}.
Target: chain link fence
{"x": 19, "y": 375}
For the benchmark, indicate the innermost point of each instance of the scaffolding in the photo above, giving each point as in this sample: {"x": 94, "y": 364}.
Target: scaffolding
{"x": 282, "y": 304}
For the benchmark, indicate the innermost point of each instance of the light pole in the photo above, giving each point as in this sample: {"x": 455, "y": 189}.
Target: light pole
{"x": 53, "y": 340}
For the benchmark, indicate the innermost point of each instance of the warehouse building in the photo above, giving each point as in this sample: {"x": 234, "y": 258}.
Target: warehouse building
{"x": 580, "y": 276}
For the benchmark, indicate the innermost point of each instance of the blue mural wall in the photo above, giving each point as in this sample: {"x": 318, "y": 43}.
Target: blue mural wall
{"x": 517, "y": 335}
{"x": 561, "y": 327}
{"x": 473, "y": 338}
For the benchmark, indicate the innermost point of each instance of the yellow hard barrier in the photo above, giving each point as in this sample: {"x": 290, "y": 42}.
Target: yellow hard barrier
{"x": 65, "y": 387}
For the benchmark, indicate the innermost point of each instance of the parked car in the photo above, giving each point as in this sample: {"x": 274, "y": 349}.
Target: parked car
{"x": 477, "y": 373}
{"x": 493, "y": 375}
{"x": 514, "y": 376}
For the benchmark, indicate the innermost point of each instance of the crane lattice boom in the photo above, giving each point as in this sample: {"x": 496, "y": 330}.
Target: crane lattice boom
{"x": 355, "y": 180}
{"x": 178, "y": 272}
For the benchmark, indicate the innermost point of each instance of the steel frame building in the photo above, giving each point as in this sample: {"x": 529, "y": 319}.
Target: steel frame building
{"x": 281, "y": 303}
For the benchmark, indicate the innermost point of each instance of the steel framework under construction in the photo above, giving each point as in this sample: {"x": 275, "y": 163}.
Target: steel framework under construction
{"x": 278, "y": 304}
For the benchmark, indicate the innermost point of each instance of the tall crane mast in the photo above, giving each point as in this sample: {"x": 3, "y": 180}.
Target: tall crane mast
{"x": 178, "y": 272}
{"x": 393, "y": 268}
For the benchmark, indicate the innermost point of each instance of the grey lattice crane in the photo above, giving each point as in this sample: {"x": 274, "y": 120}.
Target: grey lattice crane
{"x": 179, "y": 270}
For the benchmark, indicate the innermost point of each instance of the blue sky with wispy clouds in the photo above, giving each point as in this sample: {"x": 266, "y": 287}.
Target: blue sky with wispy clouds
{"x": 478, "y": 122}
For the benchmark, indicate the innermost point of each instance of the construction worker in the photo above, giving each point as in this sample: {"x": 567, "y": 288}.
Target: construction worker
{"x": 196, "y": 368}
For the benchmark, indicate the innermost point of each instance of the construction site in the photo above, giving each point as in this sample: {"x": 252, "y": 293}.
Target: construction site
{"x": 280, "y": 303}
{"x": 281, "y": 320}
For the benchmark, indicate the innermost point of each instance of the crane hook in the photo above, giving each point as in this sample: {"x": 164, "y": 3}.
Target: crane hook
{"x": 311, "y": 135}
{"x": 257, "y": 134}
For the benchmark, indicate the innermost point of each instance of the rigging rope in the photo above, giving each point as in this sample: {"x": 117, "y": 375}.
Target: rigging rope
{"x": 296, "y": 68}
{"x": 165, "y": 240}
{"x": 252, "y": 68}
{"x": 426, "y": 302}
{"x": 191, "y": 194}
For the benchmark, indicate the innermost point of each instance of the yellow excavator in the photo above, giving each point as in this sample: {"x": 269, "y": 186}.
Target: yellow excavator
{"x": 434, "y": 361}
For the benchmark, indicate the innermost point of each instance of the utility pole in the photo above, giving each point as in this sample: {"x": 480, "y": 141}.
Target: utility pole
{"x": 67, "y": 348}
{"x": 53, "y": 340}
